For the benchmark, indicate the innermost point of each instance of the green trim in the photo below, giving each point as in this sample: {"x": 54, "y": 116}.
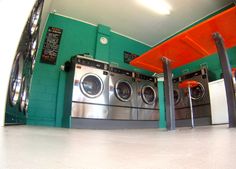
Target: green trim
{"x": 162, "y": 122}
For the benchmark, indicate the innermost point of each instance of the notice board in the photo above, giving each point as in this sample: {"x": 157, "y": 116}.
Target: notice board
{"x": 51, "y": 45}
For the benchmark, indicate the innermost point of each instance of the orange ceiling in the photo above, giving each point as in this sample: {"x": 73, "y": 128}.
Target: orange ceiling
{"x": 191, "y": 45}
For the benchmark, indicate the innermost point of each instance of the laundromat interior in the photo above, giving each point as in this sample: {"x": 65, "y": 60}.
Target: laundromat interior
{"x": 118, "y": 84}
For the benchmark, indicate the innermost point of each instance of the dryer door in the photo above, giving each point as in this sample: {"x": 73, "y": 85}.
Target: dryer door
{"x": 148, "y": 94}
{"x": 91, "y": 85}
{"x": 198, "y": 92}
{"x": 123, "y": 90}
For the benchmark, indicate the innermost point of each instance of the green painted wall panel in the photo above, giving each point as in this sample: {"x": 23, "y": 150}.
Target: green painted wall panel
{"x": 161, "y": 99}
{"x": 119, "y": 44}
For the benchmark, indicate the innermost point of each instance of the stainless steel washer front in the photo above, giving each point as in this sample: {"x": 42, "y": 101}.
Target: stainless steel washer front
{"x": 147, "y": 97}
{"x": 24, "y": 95}
{"x": 121, "y": 95}
{"x": 90, "y": 96}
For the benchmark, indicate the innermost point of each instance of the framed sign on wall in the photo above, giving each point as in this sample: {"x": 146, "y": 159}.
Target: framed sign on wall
{"x": 128, "y": 57}
{"x": 51, "y": 46}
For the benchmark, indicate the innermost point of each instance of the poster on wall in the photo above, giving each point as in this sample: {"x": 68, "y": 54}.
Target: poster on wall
{"x": 51, "y": 46}
{"x": 128, "y": 57}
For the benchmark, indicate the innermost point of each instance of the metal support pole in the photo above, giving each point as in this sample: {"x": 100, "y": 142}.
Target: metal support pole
{"x": 169, "y": 95}
{"x": 229, "y": 86}
{"x": 191, "y": 106}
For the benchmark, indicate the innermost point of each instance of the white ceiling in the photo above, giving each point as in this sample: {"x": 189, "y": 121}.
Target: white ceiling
{"x": 133, "y": 20}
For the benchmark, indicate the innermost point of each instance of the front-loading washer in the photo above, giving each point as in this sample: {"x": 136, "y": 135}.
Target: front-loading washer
{"x": 199, "y": 95}
{"x": 180, "y": 99}
{"x": 88, "y": 82}
{"x": 122, "y": 98}
{"x": 147, "y": 97}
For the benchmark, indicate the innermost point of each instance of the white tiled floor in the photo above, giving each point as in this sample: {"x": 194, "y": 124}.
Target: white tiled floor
{"x": 27, "y": 147}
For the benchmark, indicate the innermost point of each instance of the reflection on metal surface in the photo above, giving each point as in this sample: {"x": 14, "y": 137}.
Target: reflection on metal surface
{"x": 123, "y": 90}
{"x": 35, "y": 16}
{"x": 34, "y": 47}
{"x": 83, "y": 110}
{"x": 91, "y": 85}
{"x": 24, "y": 96}
{"x": 121, "y": 113}
{"x": 16, "y": 79}
{"x": 148, "y": 114}
{"x": 176, "y": 96}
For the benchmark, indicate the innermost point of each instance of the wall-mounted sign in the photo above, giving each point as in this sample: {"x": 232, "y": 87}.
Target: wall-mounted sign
{"x": 128, "y": 57}
{"x": 51, "y": 45}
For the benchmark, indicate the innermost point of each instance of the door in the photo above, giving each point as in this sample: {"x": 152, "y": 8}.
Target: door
{"x": 123, "y": 90}
{"x": 148, "y": 94}
{"x": 91, "y": 85}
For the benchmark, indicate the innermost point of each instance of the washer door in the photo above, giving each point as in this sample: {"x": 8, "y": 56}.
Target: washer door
{"x": 176, "y": 96}
{"x": 197, "y": 92}
{"x": 148, "y": 94}
{"x": 123, "y": 90}
{"x": 91, "y": 85}
{"x": 16, "y": 79}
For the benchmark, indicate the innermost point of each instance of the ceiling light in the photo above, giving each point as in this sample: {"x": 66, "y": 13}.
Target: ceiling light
{"x": 158, "y": 6}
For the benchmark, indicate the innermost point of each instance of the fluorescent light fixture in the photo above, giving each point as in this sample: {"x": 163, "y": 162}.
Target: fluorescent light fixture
{"x": 158, "y": 6}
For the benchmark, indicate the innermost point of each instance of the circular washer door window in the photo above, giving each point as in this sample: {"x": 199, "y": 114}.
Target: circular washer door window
{"x": 123, "y": 90}
{"x": 148, "y": 94}
{"x": 197, "y": 92}
{"x": 176, "y": 96}
{"x": 91, "y": 85}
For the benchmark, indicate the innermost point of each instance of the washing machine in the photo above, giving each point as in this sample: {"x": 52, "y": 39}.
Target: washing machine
{"x": 89, "y": 79}
{"x": 199, "y": 95}
{"x": 147, "y": 97}
{"x": 181, "y": 100}
{"x": 122, "y": 99}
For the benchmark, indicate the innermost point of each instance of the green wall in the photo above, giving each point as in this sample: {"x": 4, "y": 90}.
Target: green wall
{"x": 48, "y": 84}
